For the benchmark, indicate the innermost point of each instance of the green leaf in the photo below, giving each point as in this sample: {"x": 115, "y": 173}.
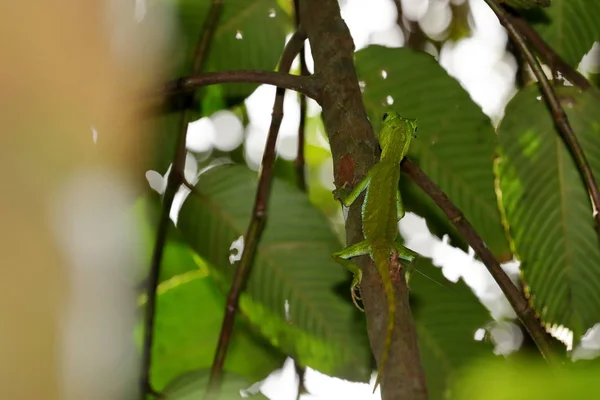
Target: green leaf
{"x": 454, "y": 145}
{"x": 285, "y": 170}
{"x": 526, "y": 4}
{"x": 526, "y": 380}
{"x": 570, "y": 27}
{"x": 296, "y": 295}
{"x": 249, "y": 35}
{"x": 594, "y": 78}
{"x": 161, "y": 131}
{"x": 548, "y": 208}
{"x": 447, "y": 316}
{"x": 177, "y": 255}
{"x": 192, "y": 386}
{"x": 189, "y": 314}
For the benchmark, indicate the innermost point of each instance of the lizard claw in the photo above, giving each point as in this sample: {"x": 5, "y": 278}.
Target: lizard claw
{"x": 356, "y": 297}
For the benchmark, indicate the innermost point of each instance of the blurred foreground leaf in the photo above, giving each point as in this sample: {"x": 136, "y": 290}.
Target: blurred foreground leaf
{"x": 526, "y": 4}
{"x": 518, "y": 379}
{"x": 192, "y": 386}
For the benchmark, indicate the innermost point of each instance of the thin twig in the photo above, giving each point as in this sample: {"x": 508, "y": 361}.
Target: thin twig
{"x": 259, "y": 216}
{"x": 174, "y": 181}
{"x": 152, "y": 282}
{"x": 300, "y": 162}
{"x": 301, "y": 374}
{"x": 308, "y": 85}
{"x": 299, "y": 167}
{"x": 206, "y": 35}
{"x": 515, "y": 297}
{"x": 546, "y": 52}
{"x": 558, "y": 114}
{"x": 400, "y": 20}
{"x": 414, "y": 38}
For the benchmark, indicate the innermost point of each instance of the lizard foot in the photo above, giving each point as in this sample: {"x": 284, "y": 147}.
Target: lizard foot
{"x": 340, "y": 193}
{"x": 356, "y": 297}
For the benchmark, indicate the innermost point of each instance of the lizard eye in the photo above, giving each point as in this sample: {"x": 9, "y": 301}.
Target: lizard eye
{"x": 385, "y": 115}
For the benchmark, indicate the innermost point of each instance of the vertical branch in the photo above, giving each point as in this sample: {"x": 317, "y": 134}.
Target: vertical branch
{"x": 354, "y": 150}
{"x": 174, "y": 181}
{"x": 515, "y": 297}
{"x": 206, "y": 35}
{"x": 299, "y": 167}
{"x": 558, "y": 114}
{"x": 300, "y": 162}
{"x": 259, "y": 216}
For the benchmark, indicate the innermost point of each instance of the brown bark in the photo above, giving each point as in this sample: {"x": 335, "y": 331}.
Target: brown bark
{"x": 354, "y": 151}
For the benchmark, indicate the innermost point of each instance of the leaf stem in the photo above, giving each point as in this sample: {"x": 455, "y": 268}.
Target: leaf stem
{"x": 515, "y": 297}
{"x": 558, "y": 114}
{"x": 257, "y": 223}
{"x": 174, "y": 181}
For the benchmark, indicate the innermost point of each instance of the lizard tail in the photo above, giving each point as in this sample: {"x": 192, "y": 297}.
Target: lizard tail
{"x": 382, "y": 264}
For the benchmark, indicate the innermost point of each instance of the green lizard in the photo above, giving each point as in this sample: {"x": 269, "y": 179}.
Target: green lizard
{"x": 381, "y": 211}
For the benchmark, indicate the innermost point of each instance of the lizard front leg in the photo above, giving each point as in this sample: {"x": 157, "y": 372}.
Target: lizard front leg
{"x": 347, "y": 198}
{"x": 342, "y": 258}
{"x": 399, "y": 205}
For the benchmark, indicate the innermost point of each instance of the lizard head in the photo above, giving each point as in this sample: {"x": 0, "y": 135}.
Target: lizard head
{"x": 397, "y": 132}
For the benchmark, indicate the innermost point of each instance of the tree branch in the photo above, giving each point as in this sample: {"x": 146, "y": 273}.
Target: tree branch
{"x": 299, "y": 167}
{"x": 414, "y": 37}
{"x": 307, "y": 85}
{"x": 174, "y": 181}
{"x": 515, "y": 297}
{"x": 259, "y": 216}
{"x": 355, "y": 151}
{"x": 546, "y": 52}
{"x": 206, "y": 35}
{"x": 558, "y": 114}
{"x": 300, "y": 162}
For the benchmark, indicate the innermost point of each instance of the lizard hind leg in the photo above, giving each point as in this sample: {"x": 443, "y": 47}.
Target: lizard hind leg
{"x": 406, "y": 254}
{"x": 342, "y": 258}
{"x": 399, "y": 206}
